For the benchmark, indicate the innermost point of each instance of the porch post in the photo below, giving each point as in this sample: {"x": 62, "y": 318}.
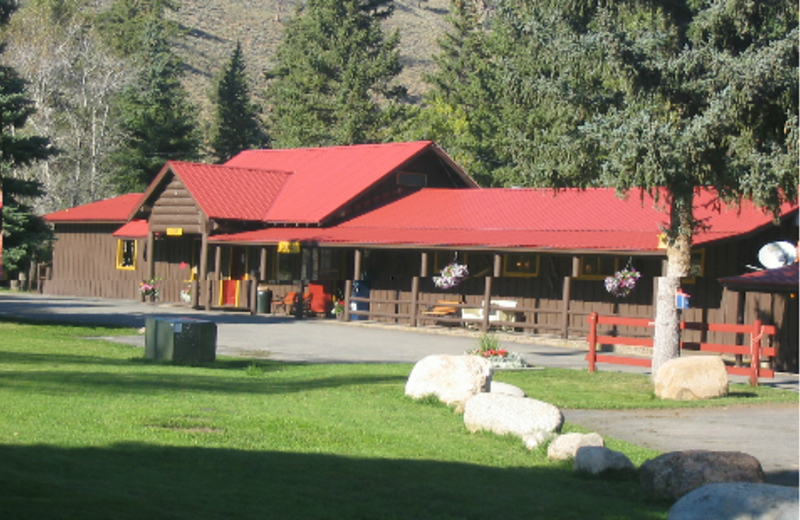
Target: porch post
{"x": 566, "y": 296}
{"x": 151, "y": 255}
{"x": 201, "y": 284}
{"x": 414, "y": 300}
{"x": 357, "y": 264}
{"x": 487, "y": 302}
{"x": 423, "y": 266}
{"x": 262, "y": 270}
{"x": 498, "y": 265}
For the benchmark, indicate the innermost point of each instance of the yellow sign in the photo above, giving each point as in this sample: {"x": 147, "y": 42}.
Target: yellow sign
{"x": 288, "y": 247}
{"x": 174, "y": 231}
{"x": 662, "y": 241}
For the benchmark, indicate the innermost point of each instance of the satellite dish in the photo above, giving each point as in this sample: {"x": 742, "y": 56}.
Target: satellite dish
{"x": 777, "y": 254}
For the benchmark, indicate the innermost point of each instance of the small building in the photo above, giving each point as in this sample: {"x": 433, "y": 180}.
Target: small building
{"x": 380, "y": 222}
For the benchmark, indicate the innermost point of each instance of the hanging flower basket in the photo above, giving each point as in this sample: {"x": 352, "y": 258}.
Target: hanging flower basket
{"x": 452, "y": 275}
{"x": 623, "y": 282}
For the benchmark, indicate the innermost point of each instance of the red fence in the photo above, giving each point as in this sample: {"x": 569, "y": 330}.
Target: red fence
{"x": 754, "y": 350}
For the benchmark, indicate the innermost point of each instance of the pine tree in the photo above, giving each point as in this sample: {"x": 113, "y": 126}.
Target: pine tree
{"x": 156, "y": 116}
{"x": 460, "y": 111}
{"x": 333, "y": 81}
{"x": 664, "y": 96}
{"x": 235, "y": 126}
{"x": 25, "y": 235}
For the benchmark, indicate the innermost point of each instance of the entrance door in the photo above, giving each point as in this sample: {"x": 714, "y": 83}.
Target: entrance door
{"x": 237, "y": 271}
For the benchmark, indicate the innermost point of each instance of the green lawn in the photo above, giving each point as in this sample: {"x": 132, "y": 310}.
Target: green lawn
{"x": 89, "y": 429}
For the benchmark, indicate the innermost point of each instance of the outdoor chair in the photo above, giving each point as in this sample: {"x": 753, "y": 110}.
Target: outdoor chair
{"x": 286, "y": 303}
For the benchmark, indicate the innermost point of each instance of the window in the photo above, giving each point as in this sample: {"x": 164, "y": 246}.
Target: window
{"x": 126, "y": 254}
{"x": 597, "y": 267}
{"x": 697, "y": 267}
{"x": 518, "y": 264}
{"x": 417, "y": 180}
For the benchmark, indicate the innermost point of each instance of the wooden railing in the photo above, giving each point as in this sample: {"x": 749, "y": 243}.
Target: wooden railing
{"x": 754, "y": 349}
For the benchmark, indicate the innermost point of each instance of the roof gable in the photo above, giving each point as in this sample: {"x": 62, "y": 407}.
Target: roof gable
{"x": 326, "y": 179}
{"x": 116, "y": 209}
{"x": 224, "y": 192}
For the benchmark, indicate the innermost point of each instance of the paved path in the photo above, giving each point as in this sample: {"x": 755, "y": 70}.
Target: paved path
{"x": 770, "y": 433}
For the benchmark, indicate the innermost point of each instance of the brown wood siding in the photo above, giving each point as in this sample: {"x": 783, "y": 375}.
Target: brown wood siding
{"x": 84, "y": 264}
{"x": 175, "y": 208}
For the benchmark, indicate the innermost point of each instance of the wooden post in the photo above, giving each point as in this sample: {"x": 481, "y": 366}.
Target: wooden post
{"x": 151, "y": 255}
{"x": 487, "y": 302}
{"x": 414, "y": 300}
{"x": 357, "y": 264}
{"x": 591, "y": 357}
{"x": 423, "y": 264}
{"x": 498, "y": 265}
{"x": 348, "y": 291}
{"x": 755, "y": 351}
{"x": 566, "y": 296}
{"x": 262, "y": 270}
{"x": 203, "y": 271}
{"x": 741, "y": 300}
{"x": 253, "y": 293}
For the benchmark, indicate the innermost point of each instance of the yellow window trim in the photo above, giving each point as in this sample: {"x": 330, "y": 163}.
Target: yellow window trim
{"x": 698, "y": 266}
{"x": 519, "y": 274}
{"x": 121, "y": 254}
{"x": 601, "y": 276}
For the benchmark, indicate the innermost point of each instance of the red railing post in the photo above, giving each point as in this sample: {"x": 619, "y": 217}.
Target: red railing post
{"x": 755, "y": 352}
{"x": 591, "y": 357}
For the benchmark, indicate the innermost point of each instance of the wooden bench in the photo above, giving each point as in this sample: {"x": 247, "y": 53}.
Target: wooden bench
{"x": 443, "y": 308}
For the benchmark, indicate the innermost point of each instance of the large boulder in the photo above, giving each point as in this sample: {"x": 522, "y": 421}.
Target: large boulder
{"x": 599, "y": 459}
{"x": 692, "y": 378}
{"x": 566, "y": 446}
{"x": 674, "y": 474}
{"x": 506, "y": 414}
{"x": 452, "y": 379}
{"x": 739, "y": 500}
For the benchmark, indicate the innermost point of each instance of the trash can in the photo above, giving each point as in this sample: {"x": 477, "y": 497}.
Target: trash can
{"x": 264, "y": 301}
{"x": 360, "y": 290}
{"x": 182, "y": 340}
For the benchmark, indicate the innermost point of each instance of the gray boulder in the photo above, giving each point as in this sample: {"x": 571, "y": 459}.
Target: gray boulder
{"x": 674, "y": 474}
{"x": 566, "y": 446}
{"x": 506, "y": 389}
{"x": 692, "y": 378}
{"x": 452, "y": 379}
{"x": 598, "y": 459}
{"x": 506, "y": 414}
{"x": 738, "y": 501}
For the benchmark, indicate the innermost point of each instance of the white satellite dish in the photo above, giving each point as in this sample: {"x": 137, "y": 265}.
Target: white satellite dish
{"x": 777, "y": 254}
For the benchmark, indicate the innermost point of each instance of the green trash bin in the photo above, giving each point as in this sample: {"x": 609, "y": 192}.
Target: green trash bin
{"x": 264, "y": 301}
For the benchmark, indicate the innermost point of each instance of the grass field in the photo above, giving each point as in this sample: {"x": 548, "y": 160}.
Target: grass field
{"x": 89, "y": 429}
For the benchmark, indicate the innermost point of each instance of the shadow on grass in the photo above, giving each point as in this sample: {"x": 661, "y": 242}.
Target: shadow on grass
{"x": 135, "y": 481}
{"x": 66, "y": 382}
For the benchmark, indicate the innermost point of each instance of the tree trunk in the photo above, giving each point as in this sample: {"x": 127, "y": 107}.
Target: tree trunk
{"x": 667, "y": 335}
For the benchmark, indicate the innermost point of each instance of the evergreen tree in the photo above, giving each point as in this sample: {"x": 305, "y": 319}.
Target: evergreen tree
{"x": 155, "y": 114}
{"x": 461, "y": 110}
{"x": 123, "y": 23}
{"x": 665, "y": 96}
{"x": 333, "y": 81}
{"x": 235, "y": 126}
{"x": 25, "y": 235}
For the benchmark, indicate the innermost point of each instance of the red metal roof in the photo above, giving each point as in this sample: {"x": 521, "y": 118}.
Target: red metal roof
{"x": 325, "y": 179}
{"x": 224, "y": 192}
{"x": 782, "y": 278}
{"x": 593, "y": 219}
{"x": 116, "y": 209}
{"x": 134, "y": 229}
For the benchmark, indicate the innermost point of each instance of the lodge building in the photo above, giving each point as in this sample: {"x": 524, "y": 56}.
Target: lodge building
{"x": 374, "y": 224}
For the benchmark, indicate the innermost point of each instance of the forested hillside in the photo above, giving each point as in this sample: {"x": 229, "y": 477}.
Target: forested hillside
{"x": 214, "y": 27}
